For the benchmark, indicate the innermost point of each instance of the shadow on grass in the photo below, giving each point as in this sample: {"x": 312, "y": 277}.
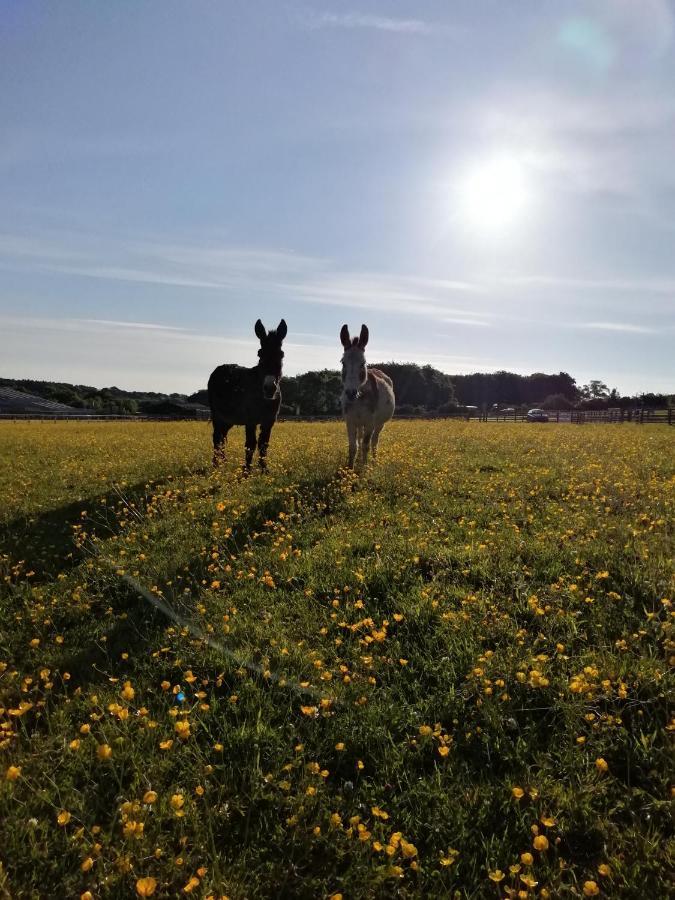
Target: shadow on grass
{"x": 45, "y": 542}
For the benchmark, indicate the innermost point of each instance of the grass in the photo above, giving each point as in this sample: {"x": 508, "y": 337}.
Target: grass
{"x": 447, "y": 676}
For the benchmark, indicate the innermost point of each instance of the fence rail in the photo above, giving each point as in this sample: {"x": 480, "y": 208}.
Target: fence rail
{"x": 52, "y": 417}
{"x": 665, "y": 416}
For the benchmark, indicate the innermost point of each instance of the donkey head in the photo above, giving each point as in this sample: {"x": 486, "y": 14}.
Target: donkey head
{"x": 271, "y": 357}
{"x": 354, "y": 369}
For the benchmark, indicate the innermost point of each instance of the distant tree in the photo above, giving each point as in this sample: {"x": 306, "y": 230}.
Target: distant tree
{"x": 507, "y": 388}
{"x": 654, "y": 400}
{"x": 448, "y": 408}
{"x": 201, "y": 397}
{"x": 557, "y": 401}
{"x": 419, "y": 386}
{"x": 312, "y": 393}
{"x": 595, "y": 390}
{"x": 409, "y": 409}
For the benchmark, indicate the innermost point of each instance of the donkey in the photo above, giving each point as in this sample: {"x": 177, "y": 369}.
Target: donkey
{"x": 250, "y": 397}
{"x": 367, "y": 397}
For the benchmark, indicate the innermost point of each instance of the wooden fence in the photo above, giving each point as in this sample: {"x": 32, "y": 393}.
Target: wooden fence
{"x": 51, "y": 417}
{"x": 665, "y": 416}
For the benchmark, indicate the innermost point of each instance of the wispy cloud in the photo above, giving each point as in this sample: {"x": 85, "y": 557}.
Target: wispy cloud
{"x": 632, "y": 285}
{"x": 618, "y": 326}
{"x": 363, "y": 20}
{"x": 460, "y": 320}
{"x": 281, "y": 277}
{"x": 391, "y": 294}
{"x": 140, "y": 355}
{"x": 583, "y": 143}
{"x": 23, "y": 146}
{"x": 147, "y": 326}
{"x": 241, "y": 270}
{"x": 138, "y": 276}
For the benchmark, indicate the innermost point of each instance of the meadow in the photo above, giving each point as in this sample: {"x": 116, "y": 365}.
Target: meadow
{"x": 446, "y": 676}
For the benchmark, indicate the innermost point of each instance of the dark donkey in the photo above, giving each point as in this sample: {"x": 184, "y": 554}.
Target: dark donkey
{"x": 250, "y": 397}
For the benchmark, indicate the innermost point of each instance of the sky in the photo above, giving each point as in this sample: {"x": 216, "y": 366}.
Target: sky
{"x": 487, "y": 184}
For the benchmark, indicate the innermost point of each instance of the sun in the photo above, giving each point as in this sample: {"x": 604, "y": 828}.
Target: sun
{"x": 494, "y": 195}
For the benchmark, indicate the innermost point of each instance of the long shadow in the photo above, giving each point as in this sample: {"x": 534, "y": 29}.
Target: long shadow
{"x": 135, "y": 623}
{"x": 321, "y": 496}
{"x": 46, "y": 542}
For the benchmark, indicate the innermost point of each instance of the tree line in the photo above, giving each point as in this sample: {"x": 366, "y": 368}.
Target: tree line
{"x": 420, "y": 390}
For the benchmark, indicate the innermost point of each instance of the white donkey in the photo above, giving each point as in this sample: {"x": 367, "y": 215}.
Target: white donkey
{"x": 367, "y": 397}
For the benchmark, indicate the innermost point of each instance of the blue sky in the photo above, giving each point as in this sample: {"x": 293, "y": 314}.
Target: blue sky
{"x": 487, "y": 184}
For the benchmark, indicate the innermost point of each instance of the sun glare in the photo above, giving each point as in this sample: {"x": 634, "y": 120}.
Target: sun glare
{"x": 494, "y": 195}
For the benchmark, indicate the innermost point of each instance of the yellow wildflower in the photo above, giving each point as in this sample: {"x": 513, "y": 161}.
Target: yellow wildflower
{"x": 182, "y": 729}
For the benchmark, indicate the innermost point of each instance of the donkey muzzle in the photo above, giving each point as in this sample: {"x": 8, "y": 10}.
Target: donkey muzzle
{"x": 270, "y": 387}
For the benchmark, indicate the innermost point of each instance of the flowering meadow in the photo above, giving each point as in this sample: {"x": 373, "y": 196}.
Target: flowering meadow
{"x": 446, "y": 676}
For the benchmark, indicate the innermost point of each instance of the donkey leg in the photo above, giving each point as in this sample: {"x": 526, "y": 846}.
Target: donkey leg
{"x": 251, "y": 442}
{"x": 365, "y": 444}
{"x": 220, "y": 430}
{"x": 375, "y": 439}
{"x": 351, "y": 437}
{"x": 263, "y": 444}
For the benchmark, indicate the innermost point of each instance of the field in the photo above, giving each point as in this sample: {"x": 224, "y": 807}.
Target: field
{"x": 444, "y": 677}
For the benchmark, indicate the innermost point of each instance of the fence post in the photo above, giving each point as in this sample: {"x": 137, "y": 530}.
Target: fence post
{"x": 670, "y": 415}
{"x": 642, "y": 416}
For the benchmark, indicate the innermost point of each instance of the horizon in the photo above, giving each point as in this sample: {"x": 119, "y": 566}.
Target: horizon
{"x": 579, "y": 385}
{"x": 488, "y": 188}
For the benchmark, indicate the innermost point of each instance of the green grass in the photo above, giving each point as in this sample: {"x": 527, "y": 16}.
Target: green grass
{"x": 362, "y": 667}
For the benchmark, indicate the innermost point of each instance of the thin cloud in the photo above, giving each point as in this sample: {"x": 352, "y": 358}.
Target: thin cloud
{"x": 362, "y": 20}
{"x": 25, "y": 147}
{"x": 139, "y": 276}
{"x": 618, "y": 326}
{"x": 155, "y": 357}
{"x": 148, "y": 326}
{"x": 275, "y": 273}
{"x": 632, "y": 285}
{"x": 458, "y": 320}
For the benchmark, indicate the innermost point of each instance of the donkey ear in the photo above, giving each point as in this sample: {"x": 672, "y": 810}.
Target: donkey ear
{"x": 260, "y": 330}
{"x": 363, "y": 337}
{"x": 344, "y": 337}
{"x": 282, "y": 330}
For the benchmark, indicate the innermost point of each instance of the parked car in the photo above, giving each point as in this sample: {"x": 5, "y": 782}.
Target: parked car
{"x": 537, "y": 415}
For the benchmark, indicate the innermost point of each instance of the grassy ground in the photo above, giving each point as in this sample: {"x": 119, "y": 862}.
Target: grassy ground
{"x": 446, "y": 677}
